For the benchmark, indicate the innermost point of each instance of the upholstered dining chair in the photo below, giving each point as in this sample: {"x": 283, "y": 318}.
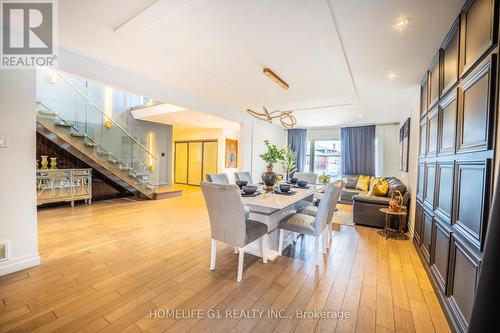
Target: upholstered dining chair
{"x": 245, "y": 176}
{"x": 312, "y": 210}
{"x": 228, "y": 223}
{"x": 311, "y": 178}
{"x": 220, "y": 178}
{"x": 311, "y": 225}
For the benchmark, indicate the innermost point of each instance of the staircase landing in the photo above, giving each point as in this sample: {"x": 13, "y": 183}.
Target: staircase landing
{"x": 166, "y": 192}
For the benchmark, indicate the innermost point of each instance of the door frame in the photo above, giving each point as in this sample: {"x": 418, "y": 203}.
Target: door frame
{"x": 187, "y": 162}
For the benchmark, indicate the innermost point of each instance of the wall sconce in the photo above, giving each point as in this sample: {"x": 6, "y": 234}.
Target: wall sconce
{"x": 52, "y": 77}
{"x": 151, "y": 150}
{"x": 108, "y": 106}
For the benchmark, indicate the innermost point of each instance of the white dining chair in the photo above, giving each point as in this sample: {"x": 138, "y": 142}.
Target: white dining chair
{"x": 220, "y": 178}
{"x": 312, "y": 210}
{"x": 244, "y": 176}
{"x": 228, "y": 223}
{"x": 310, "y": 225}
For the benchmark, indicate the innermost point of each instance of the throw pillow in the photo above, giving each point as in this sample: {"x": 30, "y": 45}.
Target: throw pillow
{"x": 363, "y": 183}
{"x": 380, "y": 189}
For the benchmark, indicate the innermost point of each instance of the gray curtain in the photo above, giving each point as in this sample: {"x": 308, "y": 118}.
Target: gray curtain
{"x": 358, "y": 150}
{"x": 297, "y": 140}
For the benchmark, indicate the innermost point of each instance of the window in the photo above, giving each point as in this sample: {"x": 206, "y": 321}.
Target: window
{"x": 325, "y": 158}
{"x": 307, "y": 166}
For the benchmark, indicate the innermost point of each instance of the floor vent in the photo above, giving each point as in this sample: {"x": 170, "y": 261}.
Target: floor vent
{"x": 4, "y": 251}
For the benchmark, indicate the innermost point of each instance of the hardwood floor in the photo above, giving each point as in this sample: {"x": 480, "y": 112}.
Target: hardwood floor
{"x": 106, "y": 267}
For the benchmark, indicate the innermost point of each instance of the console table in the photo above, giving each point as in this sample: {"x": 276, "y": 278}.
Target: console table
{"x": 64, "y": 185}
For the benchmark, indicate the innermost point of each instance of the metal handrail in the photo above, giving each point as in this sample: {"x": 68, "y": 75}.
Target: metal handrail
{"x": 106, "y": 116}
{"x": 76, "y": 129}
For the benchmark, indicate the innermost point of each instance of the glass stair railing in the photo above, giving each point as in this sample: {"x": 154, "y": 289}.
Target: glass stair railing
{"x": 66, "y": 104}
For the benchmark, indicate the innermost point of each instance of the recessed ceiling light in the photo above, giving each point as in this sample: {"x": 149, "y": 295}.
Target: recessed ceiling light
{"x": 176, "y": 120}
{"x": 401, "y": 23}
{"x": 392, "y": 76}
{"x": 360, "y": 116}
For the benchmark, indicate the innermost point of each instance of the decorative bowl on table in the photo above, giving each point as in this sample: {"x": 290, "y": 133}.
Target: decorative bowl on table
{"x": 285, "y": 188}
{"x": 301, "y": 183}
{"x": 249, "y": 189}
{"x": 293, "y": 180}
{"x": 241, "y": 183}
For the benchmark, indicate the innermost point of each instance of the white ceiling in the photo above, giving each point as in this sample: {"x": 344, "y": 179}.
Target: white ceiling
{"x": 335, "y": 54}
{"x": 184, "y": 119}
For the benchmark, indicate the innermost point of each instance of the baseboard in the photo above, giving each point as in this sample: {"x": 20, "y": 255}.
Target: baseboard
{"x": 17, "y": 264}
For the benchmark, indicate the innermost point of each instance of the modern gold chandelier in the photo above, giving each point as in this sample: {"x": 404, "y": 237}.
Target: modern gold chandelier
{"x": 287, "y": 119}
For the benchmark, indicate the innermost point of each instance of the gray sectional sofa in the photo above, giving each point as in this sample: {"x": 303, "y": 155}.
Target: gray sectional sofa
{"x": 366, "y": 209}
{"x": 350, "y": 190}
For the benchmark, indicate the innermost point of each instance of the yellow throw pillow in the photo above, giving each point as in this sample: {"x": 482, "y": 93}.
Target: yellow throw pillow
{"x": 363, "y": 183}
{"x": 380, "y": 189}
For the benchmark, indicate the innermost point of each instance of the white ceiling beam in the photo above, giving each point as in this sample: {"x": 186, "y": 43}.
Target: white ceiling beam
{"x": 149, "y": 16}
{"x": 323, "y": 18}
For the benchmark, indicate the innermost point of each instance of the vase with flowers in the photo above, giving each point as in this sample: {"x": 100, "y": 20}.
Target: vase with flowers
{"x": 272, "y": 156}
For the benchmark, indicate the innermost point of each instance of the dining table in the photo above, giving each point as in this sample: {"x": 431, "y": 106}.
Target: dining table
{"x": 270, "y": 208}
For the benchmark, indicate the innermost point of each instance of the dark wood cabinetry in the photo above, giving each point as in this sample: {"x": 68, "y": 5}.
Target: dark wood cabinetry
{"x": 450, "y": 57}
{"x": 458, "y": 117}
{"x": 434, "y": 79}
{"x": 464, "y": 270}
{"x": 479, "y": 30}
{"x": 476, "y": 101}
{"x": 447, "y": 124}
{"x": 440, "y": 255}
{"x": 424, "y": 95}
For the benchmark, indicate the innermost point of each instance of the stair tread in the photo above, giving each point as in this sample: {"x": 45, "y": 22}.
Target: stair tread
{"x": 63, "y": 124}
{"x": 135, "y": 180}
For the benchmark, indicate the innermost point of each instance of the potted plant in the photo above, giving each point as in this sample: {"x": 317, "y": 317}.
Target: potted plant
{"x": 271, "y": 157}
{"x": 325, "y": 179}
{"x": 289, "y": 162}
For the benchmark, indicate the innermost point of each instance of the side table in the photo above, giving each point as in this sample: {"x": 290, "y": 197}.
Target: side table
{"x": 388, "y": 232}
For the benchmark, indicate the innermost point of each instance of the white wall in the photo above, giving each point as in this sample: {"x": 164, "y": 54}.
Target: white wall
{"x": 18, "y": 224}
{"x": 260, "y": 131}
{"x": 410, "y": 177}
{"x": 324, "y": 133}
{"x": 387, "y": 150}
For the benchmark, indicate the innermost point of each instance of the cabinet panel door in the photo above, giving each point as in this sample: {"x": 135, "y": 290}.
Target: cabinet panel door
{"x": 445, "y": 175}
{"x": 181, "y": 162}
{"x": 476, "y": 100}
{"x": 426, "y": 236}
{"x": 430, "y": 185}
{"x": 447, "y": 124}
{"x": 434, "y": 88}
{"x": 421, "y": 182}
{"x": 450, "y": 57}
{"x": 417, "y": 228}
{"x": 464, "y": 271}
{"x": 195, "y": 162}
{"x": 471, "y": 201}
{"x": 440, "y": 253}
{"x": 479, "y": 30}
{"x": 432, "y": 129}
{"x": 423, "y": 137}
{"x": 210, "y": 158}
{"x": 424, "y": 95}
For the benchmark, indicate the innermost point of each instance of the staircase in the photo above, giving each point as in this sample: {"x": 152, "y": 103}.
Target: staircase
{"x": 69, "y": 116}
